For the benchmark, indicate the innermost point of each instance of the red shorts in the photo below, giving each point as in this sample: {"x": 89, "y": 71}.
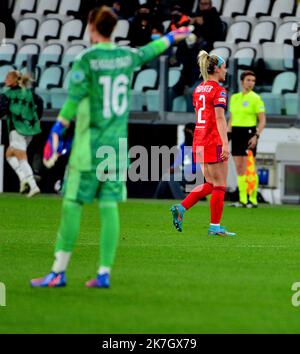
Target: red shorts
{"x": 208, "y": 154}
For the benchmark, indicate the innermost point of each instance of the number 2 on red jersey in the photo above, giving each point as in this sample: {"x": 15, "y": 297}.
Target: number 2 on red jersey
{"x": 201, "y": 109}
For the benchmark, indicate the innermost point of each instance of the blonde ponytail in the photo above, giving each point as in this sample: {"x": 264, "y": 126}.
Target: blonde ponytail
{"x": 24, "y": 80}
{"x": 203, "y": 64}
{"x": 207, "y": 64}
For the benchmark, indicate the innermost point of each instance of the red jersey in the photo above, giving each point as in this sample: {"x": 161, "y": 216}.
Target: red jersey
{"x": 206, "y": 97}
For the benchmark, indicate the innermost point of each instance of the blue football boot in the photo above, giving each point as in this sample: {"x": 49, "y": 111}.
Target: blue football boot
{"x": 102, "y": 281}
{"x": 219, "y": 231}
{"x": 177, "y": 211}
{"x": 51, "y": 280}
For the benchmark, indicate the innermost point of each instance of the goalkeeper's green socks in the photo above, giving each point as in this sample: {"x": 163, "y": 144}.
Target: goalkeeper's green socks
{"x": 67, "y": 234}
{"x": 242, "y": 185}
{"x": 109, "y": 235}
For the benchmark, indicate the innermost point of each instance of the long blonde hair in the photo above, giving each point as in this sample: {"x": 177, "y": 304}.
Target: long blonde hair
{"x": 22, "y": 80}
{"x": 207, "y": 64}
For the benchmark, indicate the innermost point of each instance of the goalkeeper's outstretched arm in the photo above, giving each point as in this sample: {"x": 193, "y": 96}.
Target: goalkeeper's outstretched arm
{"x": 157, "y": 47}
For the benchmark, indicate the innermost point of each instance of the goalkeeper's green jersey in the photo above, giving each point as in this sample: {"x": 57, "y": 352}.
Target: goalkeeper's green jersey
{"x": 99, "y": 96}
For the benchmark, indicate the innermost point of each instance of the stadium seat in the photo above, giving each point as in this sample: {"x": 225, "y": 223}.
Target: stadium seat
{"x": 273, "y": 103}
{"x": 59, "y": 95}
{"x": 285, "y": 32}
{"x": 280, "y": 9}
{"x": 288, "y": 57}
{"x": 238, "y": 31}
{"x": 262, "y": 32}
{"x": 21, "y": 7}
{"x": 50, "y": 78}
{"x": 7, "y": 53}
{"x": 70, "y": 55}
{"x": 26, "y": 28}
{"x": 85, "y": 41}
{"x": 23, "y": 53}
{"x": 293, "y": 18}
{"x": 276, "y": 56}
{"x": 71, "y": 30}
{"x": 43, "y": 7}
{"x": 3, "y": 72}
{"x": 66, "y": 8}
{"x": 227, "y": 22}
{"x": 152, "y": 96}
{"x": 51, "y": 54}
{"x": 120, "y": 31}
{"x": 179, "y": 104}
{"x": 49, "y": 29}
{"x": 218, "y": 5}
{"x": 231, "y": 46}
{"x": 232, "y": 8}
{"x": 256, "y": 47}
{"x": 283, "y": 8}
{"x": 245, "y": 57}
{"x": 223, "y": 52}
{"x": 283, "y": 82}
{"x": 257, "y": 8}
{"x": 276, "y": 20}
{"x": 145, "y": 79}
{"x": 252, "y": 20}
{"x": 291, "y": 103}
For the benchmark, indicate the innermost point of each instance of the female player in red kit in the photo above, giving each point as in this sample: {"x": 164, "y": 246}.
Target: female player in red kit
{"x": 210, "y": 145}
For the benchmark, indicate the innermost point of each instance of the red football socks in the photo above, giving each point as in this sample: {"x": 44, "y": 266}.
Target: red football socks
{"x": 196, "y": 194}
{"x": 217, "y": 204}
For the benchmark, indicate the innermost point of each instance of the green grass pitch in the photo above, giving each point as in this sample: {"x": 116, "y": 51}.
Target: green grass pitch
{"x": 163, "y": 281}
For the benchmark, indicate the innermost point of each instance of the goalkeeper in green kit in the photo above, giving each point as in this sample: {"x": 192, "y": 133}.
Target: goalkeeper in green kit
{"x": 98, "y": 96}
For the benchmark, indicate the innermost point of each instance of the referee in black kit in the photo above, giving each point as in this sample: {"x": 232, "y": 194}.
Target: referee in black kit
{"x": 246, "y": 110}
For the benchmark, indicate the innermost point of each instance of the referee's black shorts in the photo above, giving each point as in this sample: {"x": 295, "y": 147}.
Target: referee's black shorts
{"x": 240, "y": 139}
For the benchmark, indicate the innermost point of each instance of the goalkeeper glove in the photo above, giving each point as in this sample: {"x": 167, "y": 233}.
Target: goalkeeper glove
{"x": 180, "y": 33}
{"x": 54, "y": 145}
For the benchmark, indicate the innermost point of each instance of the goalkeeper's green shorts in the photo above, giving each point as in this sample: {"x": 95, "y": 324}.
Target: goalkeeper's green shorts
{"x": 84, "y": 187}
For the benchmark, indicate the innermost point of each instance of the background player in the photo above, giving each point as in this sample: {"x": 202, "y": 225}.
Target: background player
{"x": 99, "y": 95}
{"x": 246, "y": 108}
{"x": 210, "y": 143}
{"x": 23, "y": 123}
